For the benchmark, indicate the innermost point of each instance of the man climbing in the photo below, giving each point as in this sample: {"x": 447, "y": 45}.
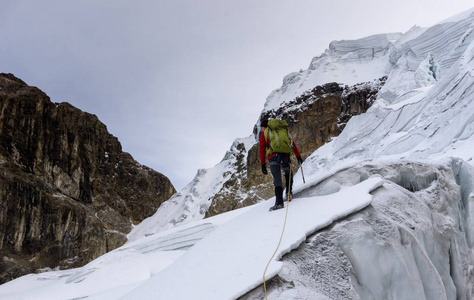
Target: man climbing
{"x": 276, "y": 143}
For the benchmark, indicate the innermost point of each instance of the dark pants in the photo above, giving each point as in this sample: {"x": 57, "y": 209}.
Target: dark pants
{"x": 277, "y": 163}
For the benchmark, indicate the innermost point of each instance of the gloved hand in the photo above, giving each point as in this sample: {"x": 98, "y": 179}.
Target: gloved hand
{"x": 264, "y": 169}
{"x": 300, "y": 160}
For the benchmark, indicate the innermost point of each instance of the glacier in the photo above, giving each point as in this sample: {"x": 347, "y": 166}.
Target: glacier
{"x": 406, "y": 245}
{"x": 387, "y": 210}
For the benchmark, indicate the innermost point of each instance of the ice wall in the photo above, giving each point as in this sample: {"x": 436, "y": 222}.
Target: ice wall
{"x": 408, "y": 244}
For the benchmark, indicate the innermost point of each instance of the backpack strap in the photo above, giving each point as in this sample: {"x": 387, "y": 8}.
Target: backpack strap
{"x": 267, "y": 144}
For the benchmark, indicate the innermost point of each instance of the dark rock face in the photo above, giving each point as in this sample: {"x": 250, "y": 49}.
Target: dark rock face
{"x": 313, "y": 119}
{"x": 68, "y": 192}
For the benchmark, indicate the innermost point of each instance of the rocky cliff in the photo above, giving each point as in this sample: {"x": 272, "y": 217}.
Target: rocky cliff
{"x": 314, "y": 118}
{"x": 68, "y": 192}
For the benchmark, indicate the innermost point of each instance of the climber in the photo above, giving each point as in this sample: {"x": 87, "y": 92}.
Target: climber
{"x": 276, "y": 143}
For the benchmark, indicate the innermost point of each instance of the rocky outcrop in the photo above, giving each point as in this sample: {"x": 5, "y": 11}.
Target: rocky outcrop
{"x": 314, "y": 118}
{"x": 68, "y": 192}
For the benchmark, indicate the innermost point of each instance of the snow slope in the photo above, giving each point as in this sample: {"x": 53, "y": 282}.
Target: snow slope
{"x": 226, "y": 255}
{"x": 240, "y": 264}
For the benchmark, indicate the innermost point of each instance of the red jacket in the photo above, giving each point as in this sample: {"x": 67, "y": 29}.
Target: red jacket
{"x": 264, "y": 145}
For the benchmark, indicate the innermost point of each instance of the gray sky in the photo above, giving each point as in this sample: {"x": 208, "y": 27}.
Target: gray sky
{"x": 177, "y": 81}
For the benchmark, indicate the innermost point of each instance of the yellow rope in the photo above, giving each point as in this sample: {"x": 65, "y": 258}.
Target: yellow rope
{"x": 282, "y": 232}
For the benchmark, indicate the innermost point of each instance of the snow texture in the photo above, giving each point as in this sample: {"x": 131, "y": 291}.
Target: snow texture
{"x": 410, "y": 243}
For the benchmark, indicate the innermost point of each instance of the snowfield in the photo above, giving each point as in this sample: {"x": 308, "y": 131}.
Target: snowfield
{"x": 387, "y": 210}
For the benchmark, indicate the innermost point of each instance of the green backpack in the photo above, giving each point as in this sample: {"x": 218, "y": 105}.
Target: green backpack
{"x": 280, "y": 138}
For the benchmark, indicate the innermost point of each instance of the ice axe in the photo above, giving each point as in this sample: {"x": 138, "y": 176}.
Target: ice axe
{"x": 302, "y": 173}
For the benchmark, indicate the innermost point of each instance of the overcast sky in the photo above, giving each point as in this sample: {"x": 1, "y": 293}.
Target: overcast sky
{"x": 177, "y": 81}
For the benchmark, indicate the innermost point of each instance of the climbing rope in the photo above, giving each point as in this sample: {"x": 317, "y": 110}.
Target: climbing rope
{"x": 283, "y": 230}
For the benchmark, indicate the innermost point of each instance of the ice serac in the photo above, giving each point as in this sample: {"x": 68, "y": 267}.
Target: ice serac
{"x": 410, "y": 243}
{"x": 347, "y": 62}
{"x": 443, "y": 44}
{"x": 365, "y": 49}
